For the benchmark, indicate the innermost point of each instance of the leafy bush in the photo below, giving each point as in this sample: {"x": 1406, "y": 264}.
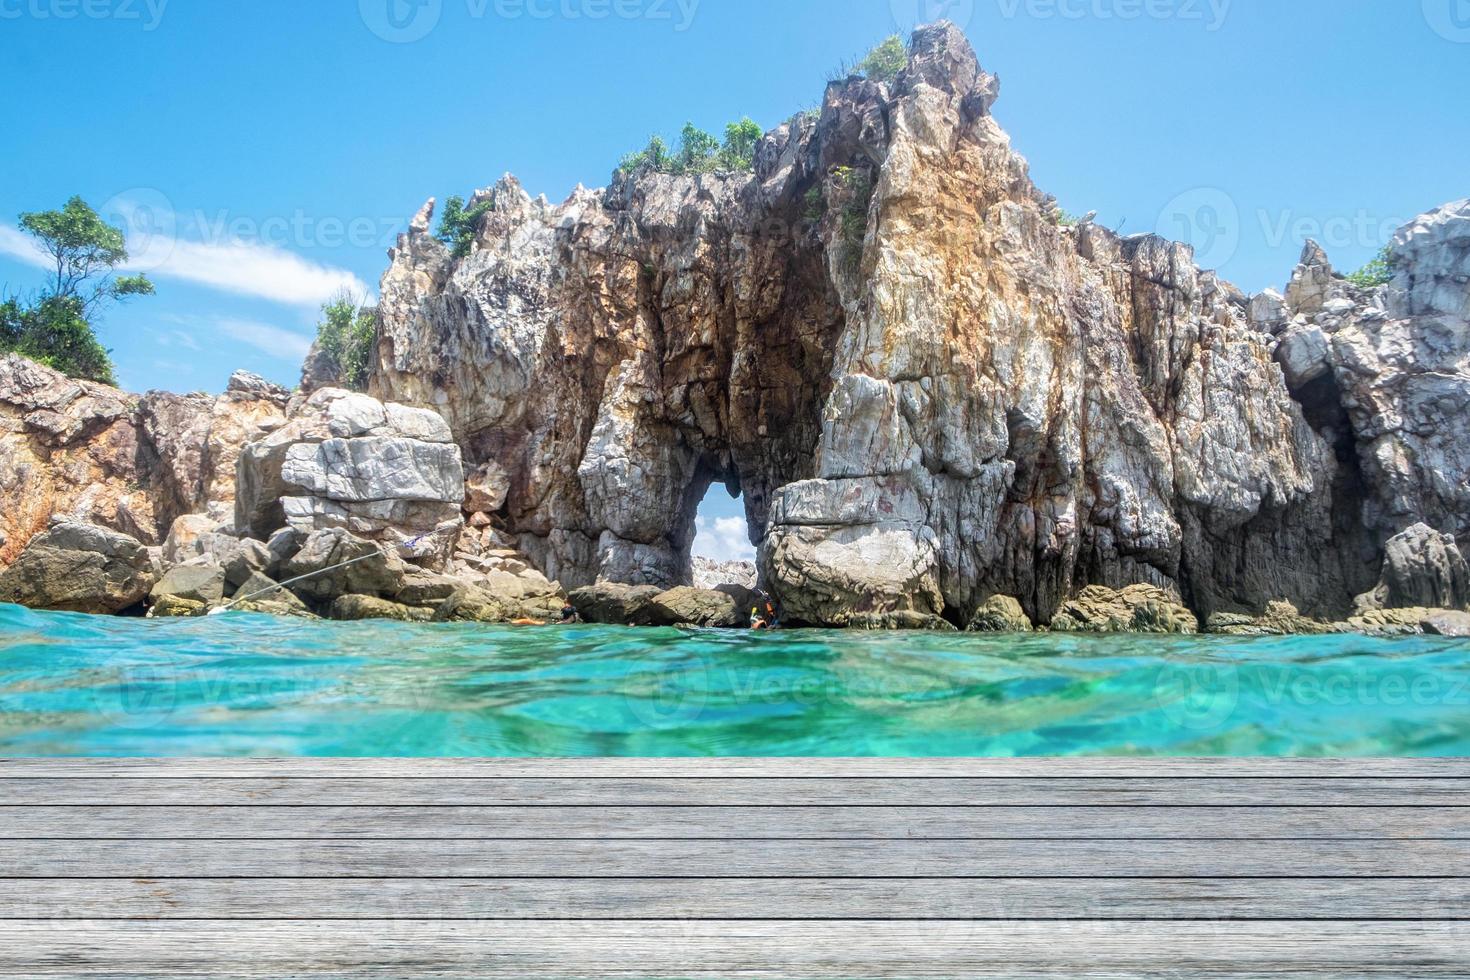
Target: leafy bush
{"x": 883, "y": 63}
{"x": 348, "y": 336}
{"x": 55, "y": 333}
{"x": 1378, "y": 272}
{"x": 741, "y": 139}
{"x": 886, "y": 61}
{"x": 457, "y": 226}
{"x": 1061, "y": 216}
{"x": 699, "y": 151}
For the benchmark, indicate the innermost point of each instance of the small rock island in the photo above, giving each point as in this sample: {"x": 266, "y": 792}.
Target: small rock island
{"x": 944, "y": 404}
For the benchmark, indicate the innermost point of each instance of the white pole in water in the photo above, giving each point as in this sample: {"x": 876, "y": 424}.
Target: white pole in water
{"x": 221, "y": 610}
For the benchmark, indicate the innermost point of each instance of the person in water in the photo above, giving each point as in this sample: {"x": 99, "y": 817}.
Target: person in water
{"x": 568, "y": 617}
{"x": 764, "y": 619}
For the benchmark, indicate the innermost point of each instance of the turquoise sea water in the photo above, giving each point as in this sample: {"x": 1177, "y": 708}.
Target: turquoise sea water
{"x": 245, "y": 685}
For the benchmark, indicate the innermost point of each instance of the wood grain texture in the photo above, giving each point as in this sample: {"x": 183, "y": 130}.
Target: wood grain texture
{"x": 731, "y": 823}
{"x": 715, "y": 949}
{"x": 859, "y": 791}
{"x": 786, "y": 868}
{"x": 774, "y": 899}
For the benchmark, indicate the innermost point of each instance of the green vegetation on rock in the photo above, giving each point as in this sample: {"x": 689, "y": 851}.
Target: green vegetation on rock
{"x": 699, "y": 152}
{"x": 457, "y": 224}
{"x": 56, "y": 328}
{"x": 347, "y": 334}
{"x": 883, "y": 63}
{"x": 1378, "y": 272}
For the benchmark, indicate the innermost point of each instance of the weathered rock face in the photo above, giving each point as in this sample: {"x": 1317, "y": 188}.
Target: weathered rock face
{"x": 1423, "y": 568}
{"x": 927, "y": 391}
{"x": 711, "y": 574}
{"x": 96, "y": 455}
{"x": 386, "y": 473}
{"x": 1386, "y": 376}
{"x": 79, "y": 568}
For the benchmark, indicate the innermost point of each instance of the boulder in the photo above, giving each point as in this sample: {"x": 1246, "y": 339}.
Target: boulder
{"x": 384, "y": 472}
{"x": 1000, "y": 614}
{"x": 372, "y": 571}
{"x": 485, "y": 489}
{"x": 1389, "y": 622}
{"x": 351, "y": 608}
{"x": 469, "y": 604}
{"x": 244, "y": 558}
{"x": 1135, "y": 609}
{"x": 261, "y": 594}
{"x": 617, "y": 605}
{"x": 1281, "y": 618}
{"x": 201, "y": 580}
{"x": 79, "y": 568}
{"x": 1445, "y": 622}
{"x": 1423, "y": 568}
{"x": 699, "y": 607}
{"x": 422, "y": 588}
{"x": 905, "y": 619}
{"x": 177, "y": 607}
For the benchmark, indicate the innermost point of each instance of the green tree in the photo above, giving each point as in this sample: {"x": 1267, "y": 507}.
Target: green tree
{"x": 698, "y": 150}
{"x": 886, "y": 61}
{"x": 55, "y": 333}
{"x": 655, "y": 156}
{"x": 85, "y": 252}
{"x": 1378, "y": 272}
{"x": 458, "y": 225}
{"x": 348, "y": 335}
{"x": 741, "y": 138}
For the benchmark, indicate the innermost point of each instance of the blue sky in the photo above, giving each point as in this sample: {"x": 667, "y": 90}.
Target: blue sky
{"x": 267, "y": 153}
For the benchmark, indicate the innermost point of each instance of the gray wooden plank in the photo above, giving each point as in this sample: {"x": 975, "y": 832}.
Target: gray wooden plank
{"x": 730, "y": 823}
{"x": 788, "y": 858}
{"x": 764, "y": 768}
{"x": 751, "y": 898}
{"x": 708, "y": 949}
{"x": 857, "y": 791}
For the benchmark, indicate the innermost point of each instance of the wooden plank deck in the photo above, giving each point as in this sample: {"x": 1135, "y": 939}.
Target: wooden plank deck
{"x": 734, "y": 868}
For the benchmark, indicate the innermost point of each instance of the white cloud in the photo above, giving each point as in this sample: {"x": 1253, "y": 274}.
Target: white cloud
{"x": 18, "y": 245}
{"x": 244, "y": 268}
{"x": 249, "y": 269}
{"x": 723, "y": 539}
{"x": 278, "y": 342}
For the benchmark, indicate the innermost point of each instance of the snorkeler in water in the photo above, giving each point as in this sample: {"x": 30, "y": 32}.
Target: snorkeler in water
{"x": 764, "y": 619}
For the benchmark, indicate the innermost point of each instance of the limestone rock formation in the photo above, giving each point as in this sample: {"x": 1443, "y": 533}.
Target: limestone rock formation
{"x": 93, "y": 454}
{"x": 711, "y": 574}
{"x": 385, "y": 473}
{"x": 1135, "y": 609}
{"x": 79, "y": 568}
{"x": 926, "y": 390}
{"x": 1422, "y": 568}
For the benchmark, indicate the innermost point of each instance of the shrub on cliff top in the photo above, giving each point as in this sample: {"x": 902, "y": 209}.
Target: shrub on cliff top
{"x": 54, "y": 333}
{"x": 886, "y": 61}
{"x": 699, "y": 151}
{"x": 457, "y": 225}
{"x": 1378, "y": 272}
{"x": 347, "y": 335}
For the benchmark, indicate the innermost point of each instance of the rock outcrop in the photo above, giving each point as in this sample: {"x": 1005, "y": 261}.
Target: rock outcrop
{"x": 79, "y": 568}
{"x": 96, "y": 455}
{"x": 927, "y": 390}
{"x": 383, "y": 472}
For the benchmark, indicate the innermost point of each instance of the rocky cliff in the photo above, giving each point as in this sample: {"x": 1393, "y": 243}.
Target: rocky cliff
{"x": 932, "y": 394}
{"x": 927, "y": 390}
